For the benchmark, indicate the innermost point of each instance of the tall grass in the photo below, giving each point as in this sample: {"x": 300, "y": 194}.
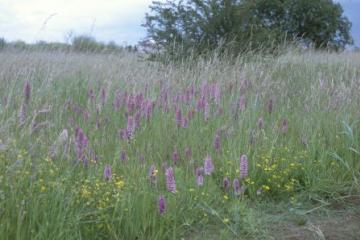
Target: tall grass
{"x": 306, "y": 148}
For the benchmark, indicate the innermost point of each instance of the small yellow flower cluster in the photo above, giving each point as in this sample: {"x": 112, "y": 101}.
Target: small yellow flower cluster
{"x": 279, "y": 172}
{"x": 120, "y": 184}
{"x": 85, "y": 192}
{"x": 43, "y": 189}
{"x": 99, "y": 193}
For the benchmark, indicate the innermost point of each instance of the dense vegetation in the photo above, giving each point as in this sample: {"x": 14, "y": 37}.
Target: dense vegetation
{"x": 81, "y": 43}
{"x": 111, "y": 147}
{"x": 196, "y": 26}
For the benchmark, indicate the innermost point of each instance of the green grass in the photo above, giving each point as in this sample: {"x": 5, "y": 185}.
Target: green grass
{"x": 52, "y": 195}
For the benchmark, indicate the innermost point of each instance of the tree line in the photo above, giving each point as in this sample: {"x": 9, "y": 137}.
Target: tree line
{"x": 82, "y": 43}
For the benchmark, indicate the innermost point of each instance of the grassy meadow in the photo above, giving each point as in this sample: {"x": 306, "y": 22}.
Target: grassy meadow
{"x": 101, "y": 146}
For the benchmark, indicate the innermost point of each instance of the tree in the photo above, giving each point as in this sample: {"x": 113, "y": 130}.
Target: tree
{"x": 180, "y": 26}
{"x": 194, "y": 24}
{"x": 2, "y": 43}
{"x": 314, "y": 22}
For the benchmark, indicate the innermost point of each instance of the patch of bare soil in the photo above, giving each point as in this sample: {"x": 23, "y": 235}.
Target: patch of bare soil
{"x": 342, "y": 223}
{"x": 346, "y": 228}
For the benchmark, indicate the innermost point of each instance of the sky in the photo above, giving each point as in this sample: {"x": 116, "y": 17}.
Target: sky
{"x": 106, "y": 20}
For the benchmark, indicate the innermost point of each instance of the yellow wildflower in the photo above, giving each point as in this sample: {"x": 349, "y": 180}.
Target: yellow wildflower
{"x": 120, "y": 184}
{"x": 226, "y": 220}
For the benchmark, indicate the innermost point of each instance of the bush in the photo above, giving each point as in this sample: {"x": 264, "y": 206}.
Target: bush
{"x": 86, "y": 44}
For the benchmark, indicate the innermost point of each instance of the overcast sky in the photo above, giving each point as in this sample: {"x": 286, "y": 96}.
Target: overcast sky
{"x": 118, "y": 20}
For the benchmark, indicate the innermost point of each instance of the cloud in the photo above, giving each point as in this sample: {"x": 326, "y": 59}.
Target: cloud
{"x": 30, "y": 19}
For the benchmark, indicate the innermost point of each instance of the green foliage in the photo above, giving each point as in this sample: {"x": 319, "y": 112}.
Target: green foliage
{"x": 19, "y": 45}
{"x": 183, "y": 27}
{"x": 2, "y": 43}
{"x": 180, "y": 27}
{"x": 89, "y": 44}
{"x": 80, "y": 43}
{"x": 86, "y": 44}
{"x": 50, "y": 46}
{"x": 320, "y": 23}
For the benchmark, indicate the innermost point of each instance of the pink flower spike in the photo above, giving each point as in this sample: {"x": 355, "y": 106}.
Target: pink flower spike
{"x": 27, "y": 92}
{"x": 206, "y": 111}
{"x": 236, "y": 186}
{"x": 130, "y": 128}
{"x": 243, "y": 166}
{"x": 170, "y": 180}
{"x": 162, "y": 205}
{"x": 208, "y": 165}
{"x": 103, "y": 96}
{"x": 178, "y": 117}
{"x": 226, "y": 183}
{"x": 217, "y": 143}
{"x": 175, "y": 157}
{"x": 107, "y": 172}
{"x": 200, "y": 176}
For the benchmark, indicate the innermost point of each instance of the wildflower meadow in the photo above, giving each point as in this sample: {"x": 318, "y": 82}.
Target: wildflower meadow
{"x": 112, "y": 146}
